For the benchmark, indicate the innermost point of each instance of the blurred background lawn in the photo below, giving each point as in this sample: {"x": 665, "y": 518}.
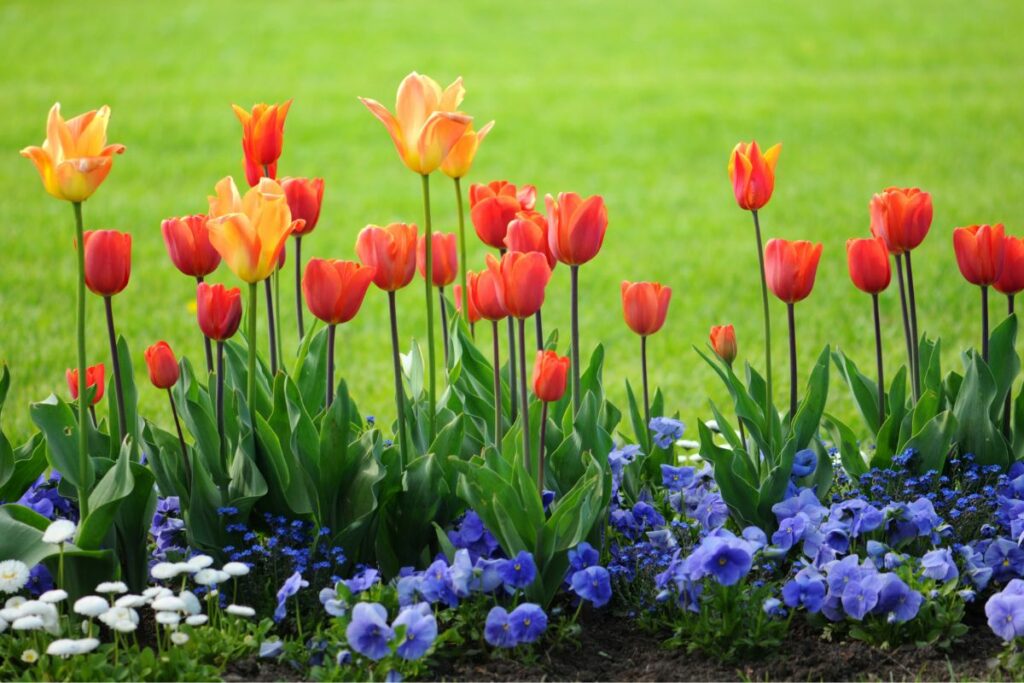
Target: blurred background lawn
{"x": 640, "y": 102}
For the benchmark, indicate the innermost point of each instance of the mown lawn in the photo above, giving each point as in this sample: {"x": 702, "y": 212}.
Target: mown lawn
{"x": 640, "y": 102}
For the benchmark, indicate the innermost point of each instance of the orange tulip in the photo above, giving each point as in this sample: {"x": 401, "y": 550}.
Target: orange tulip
{"x": 334, "y": 289}
{"x": 391, "y": 251}
{"x": 790, "y": 268}
{"x": 522, "y": 278}
{"x": 485, "y": 294}
{"x": 426, "y": 124}
{"x": 75, "y": 157}
{"x": 645, "y": 305}
{"x": 753, "y": 174}
{"x": 474, "y": 315}
{"x": 188, "y": 244}
{"x": 528, "y": 231}
{"x": 868, "y": 260}
{"x": 93, "y": 379}
{"x": 460, "y": 158}
{"x": 250, "y": 233}
{"x": 162, "y": 365}
{"x": 980, "y": 253}
{"x": 550, "y": 372}
{"x": 262, "y": 138}
{"x": 445, "y": 262}
{"x": 494, "y": 205}
{"x": 723, "y": 341}
{"x": 1011, "y": 280}
{"x": 108, "y": 261}
{"x": 576, "y": 227}
{"x": 901, "y": 217}
{"x": 305, "y": 196}
{"x": 219, "y": 310}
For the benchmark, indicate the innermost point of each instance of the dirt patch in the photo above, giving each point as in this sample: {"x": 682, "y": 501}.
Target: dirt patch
{"x": 255, "y": 669}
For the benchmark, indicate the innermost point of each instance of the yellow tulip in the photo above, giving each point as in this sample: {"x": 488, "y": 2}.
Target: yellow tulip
{"x": 426, "y": 124}
{"x": 75, "y": 157}
{"x": 460, "y": 158}
{"x": 250, "y": 232}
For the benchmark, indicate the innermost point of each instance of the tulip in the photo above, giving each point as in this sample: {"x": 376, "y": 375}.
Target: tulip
{"x": 980, "y": 254}
{"x": 644, "y": 306}
{"x": 426, "y": 124}
{"x": 445, "y": 270}
{"x": 1010, "y": 283}
{"x": 73, "y": 162}
{"x": 790, "y": 270}
{"x": 188, "y": 244}
{"x": 723, "y": 342}
{"x": 262, "y": 138}
{"x": 334, "y": 292}
{"x": 902, "y": 217}
{"x": 484, "y": 299}
{"x": 219, "y": 312}
{"x": 164, "y": 373}
{"x": 93, "y": 380}
{"x": 305, "y": 196}
{"x": 472, "y": 315}
{"x": 550, "y": 372}
{"x": 75, "y": 157}
{"x": 868, "y": 260}
{"x": 528, "y": 231}
{"x": 753, "y": 179}
{"x": 493, "y": 206}
{"x": 460, "y": 158}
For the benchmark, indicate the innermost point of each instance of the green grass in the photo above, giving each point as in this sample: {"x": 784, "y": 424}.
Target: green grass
{"x": 640, "y": 102}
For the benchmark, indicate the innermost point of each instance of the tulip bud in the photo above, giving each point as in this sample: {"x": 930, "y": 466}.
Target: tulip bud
{"x": 445, "y": 262}
{"x": 334, "y": 290}
{"x": 980, "y": 253}
{"x": 753, "y": 174}
{"x": 522, "y": 279}
{"x": 868, "y": 260}
{"x": 550, "y": 372}
{"x": 93, "y": 379}
{"x": 262, "y": 137}
{"x": 528, "y": 231}
{"x": 723, "y": 341}
{"x": 218, "y": 310}
{"x": 188, "y": 244}
{"x": 305, "y": 197}
{"x": 790, "y": 268}
{"x": 493, "y": 206}
{"x": 485, "y": 294}
{"x": 644, "y": 306}
{"x": 391, "y": 252}
{"x": 576, "y": 227}
{"x": 1011, "y": 280}
{"x": 108, "y": 261}
{"x": 901, "y": 217}
{"x": 163, "y": 367}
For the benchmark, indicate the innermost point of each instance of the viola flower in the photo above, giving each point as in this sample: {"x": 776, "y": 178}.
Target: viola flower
{"x": 291, "y": 586}
{"x": 806, "y": 589}
{"x": 420, "y": 630}
{"x": 895, "y": 598}
{"x": 666, "y": 431}
{"x": 676, "y": 478}
{"x": 790, "y": 531}
{"x": 592, "y": 584}
{"x": 368, "y": 633}
{"x": 859, "y": 598}
{"x": 518, "y": 572}
{"x": 939, "y": 565}
{"x": 1005, "y": 614}
{"x": 497, "y": 629}
{"x": 726, "y": 559}
{"x": 528, "y": 622}
{"x": 582, "y": 556}
{"x": 804, "y": 463}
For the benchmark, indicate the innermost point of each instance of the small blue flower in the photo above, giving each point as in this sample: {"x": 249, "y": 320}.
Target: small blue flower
{"x": 271, "y": 649}
{"x": 676, "y": 478}
{"x": 773, "y": 608}
{"x": 497, "y": 629}
{"x": 666, "y": 431}
{"x": 364, "y": 580}
{"x": 368, "y": 633}
{"x": 582, "y": 556}
{"x": 528, "y": 622}
{"x": 420, "y": 630}
{"x": 593, "y": 584}
{"x": 518, "y": 572}
{"x": 1006, "y": 615}
{"x": 727, "y": 559}
{"x": 859, "y": 598}
{"x": 806, "y": 589}
{"x": 292, "y": 585}
{"x": 939, "y": 565}
{"x": 804, "y": 463}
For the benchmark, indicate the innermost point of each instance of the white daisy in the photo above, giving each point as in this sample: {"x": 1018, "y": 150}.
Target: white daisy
{"x": 116, "y": 615}
{"x": 130, "y": 600}
{"x": 30, "y": 656}
{"x": 240, "y": 611}
{"x": 14, "y": 601}
{"x": 154, "y": 592}
{"x": 192, "y": 605}
{"x": 235, "y": 569}
{"x": 200, "y": 562}
{"x": 112, "y": 587}
{"x": 196, "y": 619}
{"x": 59, "y": 531}
{"x": 168, "y": 618}
{"x": 54, "y": 596}
{"x": 31, "y": 622}
{"x": 13, "y": 576}
{"x": 91, "y": 606}
{"x": 169, "y": 603}
{"x": 179, "y": 638}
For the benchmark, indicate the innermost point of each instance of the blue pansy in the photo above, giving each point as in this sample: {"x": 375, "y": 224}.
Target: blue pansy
{"x": 593, "y": 584}
{"x": 804, "y": 463}
{"x": 582, "y": 556}
{"x": 666, "y": 431}
{"x": 519, "y": 571}
{"x": 676, "y": 478}
{"x": 368, "y": 633}
{"x": 497, "y": 629}
{"x": 528, "y": 622}
{"x": 420, "y": 630}
{"x": 292, "y": 585}
{"x": 939, "y": 565}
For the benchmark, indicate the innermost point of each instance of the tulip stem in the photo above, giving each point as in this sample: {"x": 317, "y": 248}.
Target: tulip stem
{"x": 428, "y": 280}
{"x": 768, "y": 407}
{"x": 916, "y": 346}
{"x": 220, "y": 397}
{"x": 399, "y": 391}
{"x": 270, "y": 327}
{"x": 331, "y": 330}
{"x": 906, "y": 323}
{"x": 83, "y": 403}
{"x": 122, "y": 421}
{"x": 540, "y": 446}
{"x": 1008, "y": 407}
{"x": 277, "y": 307}
{"x": 574, "y": 272}
{"x": 206, "y": 340}
{"x": 524, "y": 398}
{"x": 298, "y": 288}
{"x": 251, "y": 379}
{"x": 790, "y": 313}
{"x": 539, "y": 324}
{"x": 878, "y": 360}
{"x": 497, "y": 384}
{"x": 181, "y": 440}
{"x": 92, "y": 415}
{"x": 444, "y": 324}
{"x": 647, "y": 403}
{"x": 984, "y": 324}
{"x": 463, "y": 263}
{"x": 513, "y": 383}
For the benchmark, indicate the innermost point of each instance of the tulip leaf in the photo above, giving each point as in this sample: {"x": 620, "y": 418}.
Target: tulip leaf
{"x": 60, "y": 428}
{"x": 115, "y": 484}
{"x": 862, "y": 388}
{"x": 131, "y": 401}
{"x": 28, "y": 462}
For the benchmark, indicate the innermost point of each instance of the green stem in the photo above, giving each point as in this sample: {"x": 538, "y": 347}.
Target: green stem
{"x": 277, "y": 320}
{"x": 497, "y": 384}
{"x": 574, "y": 272}
{"x": 767, "y": 331}
{"x": 463, "y": 263}
{"x": 792, "y": 362}
{"x": 83, "y": 437}
{"x": 271, "y": 327}
{"x": 878, "y": 360}
{"x": 428, "y": 268}
{"x": 207, "y": 345}
{"x": 122, "y": 421}
{"x": 397, "y": 362}
{"x": 298, "y": 287}
{"x": 524, "y": 406}
{"x": 251, "y": 389}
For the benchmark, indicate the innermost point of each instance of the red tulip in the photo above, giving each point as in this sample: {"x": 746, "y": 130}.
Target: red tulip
{"x": 528, "y": 231}
{"x": 262, "y": 138}
{"x": 219, "y": 310}
{"x": 445, "y": 262}
{"x": 753, "y": 174}
{"x": 868, "y": 260}
{"x": 644, "y": 306}
{"x": 576, "y": 227}
{"x": 391, "y": 251}
{"x": 523, "y": 278}
{"x": 901, "y": 217}
{"x": 163, "y": 366}
{"x": 305, "y": 196}
{"x": 790, "y": 268}
{"x": 108, "y": 261}
{"x": 474, "y": 315}
{"x": 494, "y": 205}
{"x": 550, "y": 372}
{"x": 980, "y": 253}
{"x": 723, "y": 341}
{"x": 188, "y": 244}
{"x": 1011, "y": 280}
{"x": 334, "y": 289}
{"x": 93, "y": 378}
{"x": 485, "y": 294}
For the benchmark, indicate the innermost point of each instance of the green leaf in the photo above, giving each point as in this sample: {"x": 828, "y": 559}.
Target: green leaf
{"x": 845, "y": 440}
{"x": 131, "y": 400}
{"x": 115, "y": 485}
{"x": 310, "y": 371}
{"x": 29, "y": 461}
{"x": 933, "y": 442}
{"x": 812, "y": 406}
{"x": 863, "y": 390}
{"x": 1003, "y": 361}
{"x": 59, "y": 426}
{"x": 737, "y": 491}
{"x": 975, "y": 430}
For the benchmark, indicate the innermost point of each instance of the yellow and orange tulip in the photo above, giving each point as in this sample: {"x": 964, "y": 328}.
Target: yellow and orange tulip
{"x": 460, "y": 158}
{"x": 262, "y": 138}
{"x": 753, "y": 174}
